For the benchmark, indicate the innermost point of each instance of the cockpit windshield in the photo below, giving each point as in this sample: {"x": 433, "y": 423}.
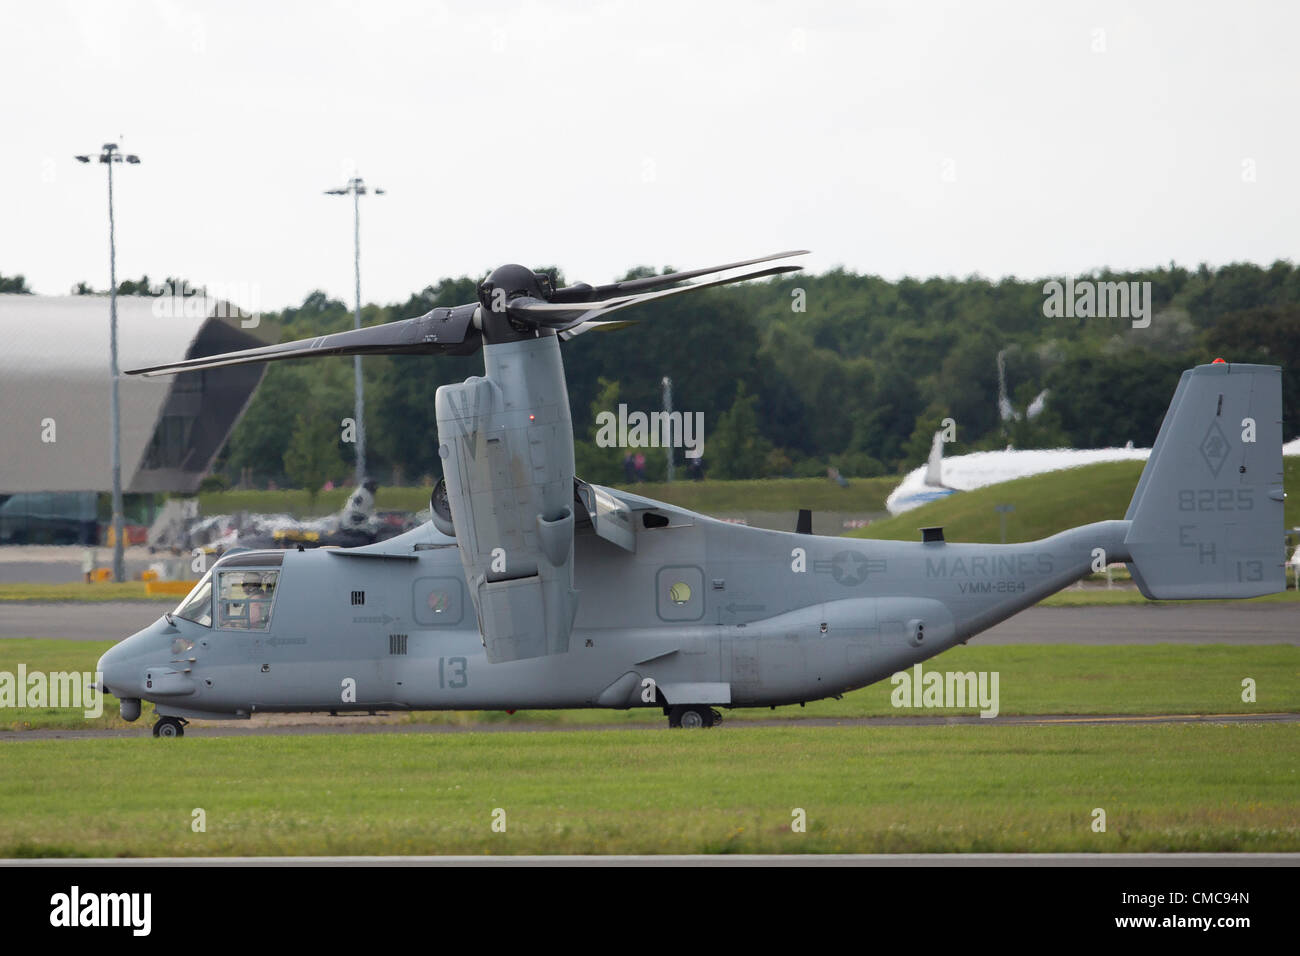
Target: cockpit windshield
{"x": 197, "y": 606}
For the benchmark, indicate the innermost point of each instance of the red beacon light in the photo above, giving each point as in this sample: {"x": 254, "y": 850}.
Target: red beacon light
{"x": 1218, "y": 361}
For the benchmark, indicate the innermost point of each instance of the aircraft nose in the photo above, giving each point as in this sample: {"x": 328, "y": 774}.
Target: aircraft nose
{"x": 119, "y": 676}
{"x": 114, "y": 669}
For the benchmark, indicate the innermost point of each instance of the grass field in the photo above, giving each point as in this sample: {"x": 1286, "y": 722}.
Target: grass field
{"x": 1100, "y": 597}
{"x": 863, "y": 495}
{"x": 1045, "y": 504}
{"x": 80, "y": 591}
{"x": 1032, "y": 679}
{"x": 931, "y": 789}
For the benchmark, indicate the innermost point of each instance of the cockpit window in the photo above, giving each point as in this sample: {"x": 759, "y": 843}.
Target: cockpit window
{"x": 245, "y": 599}
{"x": 197, "y": 606}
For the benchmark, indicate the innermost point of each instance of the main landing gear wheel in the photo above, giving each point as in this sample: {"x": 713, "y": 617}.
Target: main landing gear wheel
{"x": 693, "y": 716}
{"x": 169, "y": 727}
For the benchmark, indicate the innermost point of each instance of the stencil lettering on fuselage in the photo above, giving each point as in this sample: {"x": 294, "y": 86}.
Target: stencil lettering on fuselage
{"x": 990, "y": 565}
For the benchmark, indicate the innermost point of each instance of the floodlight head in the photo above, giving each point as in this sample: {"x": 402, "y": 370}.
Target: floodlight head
{"x": 82, "y": 159}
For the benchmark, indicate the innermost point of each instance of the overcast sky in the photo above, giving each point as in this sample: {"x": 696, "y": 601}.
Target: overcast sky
{"x": 914, "y": 138}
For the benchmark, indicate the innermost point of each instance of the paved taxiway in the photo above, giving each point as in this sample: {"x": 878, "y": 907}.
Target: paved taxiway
{"x": 305, "y": 725}
{"x": 1215, "y": 623}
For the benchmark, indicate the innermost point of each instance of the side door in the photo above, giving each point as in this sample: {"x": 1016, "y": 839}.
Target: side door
{"x": 224, "y": 660}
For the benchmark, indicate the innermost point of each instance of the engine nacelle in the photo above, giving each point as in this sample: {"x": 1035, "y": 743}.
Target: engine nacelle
{"x": 506, "y": 441}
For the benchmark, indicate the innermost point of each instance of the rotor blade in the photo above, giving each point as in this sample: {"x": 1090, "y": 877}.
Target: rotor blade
{"x": 609, "y": 326}
{"x": 564, "y": 317}
{"x": 440, "y": 330}
{"x": 586, "y": 293}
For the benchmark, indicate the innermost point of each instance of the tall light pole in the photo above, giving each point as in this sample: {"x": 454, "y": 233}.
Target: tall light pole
{"x": 110, "y": 155}
{"x": 356, "y": 187}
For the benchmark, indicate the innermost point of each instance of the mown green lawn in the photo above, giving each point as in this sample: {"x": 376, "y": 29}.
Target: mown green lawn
{"x": 733, "y": 790}
{"x": 864, "y": 495}
{"x": 1044, "y": 504}
{"x": 1101, "y": 597}
{"x": 78, "y": 592}
{"x": 1032, "y": 679}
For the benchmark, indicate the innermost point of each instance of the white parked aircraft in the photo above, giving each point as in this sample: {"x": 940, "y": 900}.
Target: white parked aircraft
{"x": 940, "y": 477}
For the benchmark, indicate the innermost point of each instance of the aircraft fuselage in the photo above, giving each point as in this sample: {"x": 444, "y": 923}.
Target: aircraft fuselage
{"x": 702, "y": 612}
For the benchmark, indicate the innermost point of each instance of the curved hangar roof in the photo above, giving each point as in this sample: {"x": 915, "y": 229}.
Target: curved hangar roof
{"x": 54, "y": 368}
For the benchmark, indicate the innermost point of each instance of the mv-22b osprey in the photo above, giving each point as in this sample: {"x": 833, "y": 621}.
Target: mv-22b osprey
{"x": 531, "y": 588}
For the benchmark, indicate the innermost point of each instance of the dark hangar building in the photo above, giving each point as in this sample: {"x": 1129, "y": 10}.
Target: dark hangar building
{"x": 55, "y": 388}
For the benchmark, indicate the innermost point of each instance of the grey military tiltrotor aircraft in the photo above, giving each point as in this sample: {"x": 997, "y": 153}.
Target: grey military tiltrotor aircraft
{"x": 531, "y": 588}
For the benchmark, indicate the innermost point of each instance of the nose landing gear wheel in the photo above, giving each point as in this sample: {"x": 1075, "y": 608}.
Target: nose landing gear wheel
{"x": 169, "y": 727}
{"x": 692, "y": 716}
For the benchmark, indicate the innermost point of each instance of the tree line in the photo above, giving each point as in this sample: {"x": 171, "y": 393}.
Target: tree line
{"x": 799, "y": 374}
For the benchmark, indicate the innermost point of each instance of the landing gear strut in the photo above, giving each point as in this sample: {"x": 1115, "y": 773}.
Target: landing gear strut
{"x": 169, "y": 727}
{"x": 692, "y": 716}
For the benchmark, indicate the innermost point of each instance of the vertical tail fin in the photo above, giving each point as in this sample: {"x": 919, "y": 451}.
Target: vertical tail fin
{"x": 1206, "y": 517}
